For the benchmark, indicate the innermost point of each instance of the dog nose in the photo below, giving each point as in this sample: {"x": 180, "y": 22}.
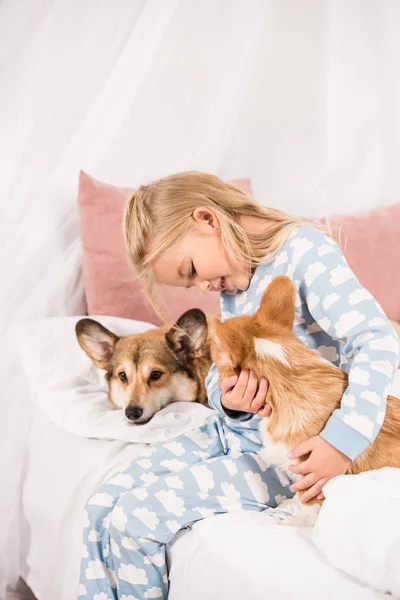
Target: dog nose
{"x": 133, "y": 413}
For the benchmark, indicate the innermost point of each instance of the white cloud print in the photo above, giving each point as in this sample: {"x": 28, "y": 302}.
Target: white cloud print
{"x": 312, "y": 301}
{"x": 204, "y": 478}
{"x": 358, "y": 296}
{"x": 173, "y": 465}
{"x": 94, "y": 536}
{"x": 129, "y": 543}
{"x": 119, "y": 518}
{"x": 171, "y": 502}
{"x": 383, "y": 366}
{"x": 258, "y": 487}
{"x": 173, "y": 481}
{"x": 372, "y": 397}
{"x": 358, "y": 375}
{"x": 96, "y": 570}
{"x": 347, "y": 321}
{"x": 360, "y": 423}
{"x": 340, "y": 275}
{"x": 175, "y": 447}
{"x": 200, "y": 438}
{"x": 153, "y": 592}
{"x": 132, "y": 574}
{"x": 328, "y": 352}
{"x": 330, "y": 300}
{"x": 157, "y": 559}
{"x": 313, "y": 271}
{"x": 348, "y": 400}
{"x": 101, "y": 596}
{"x": 387, "y": 344}
{"x": 82, "y": 591}
{"x": 147, "y": 517}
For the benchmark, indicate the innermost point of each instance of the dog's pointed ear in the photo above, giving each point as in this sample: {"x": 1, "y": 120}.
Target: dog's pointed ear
{"x": 188, "y": 337}
{"x": 97, "y": 341}
{"x": 278, "y": 302}
{"x": 226, "y": 345}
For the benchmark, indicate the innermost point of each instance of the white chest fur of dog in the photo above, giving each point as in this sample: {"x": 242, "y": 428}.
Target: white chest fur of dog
{"x": 276, "y": 453}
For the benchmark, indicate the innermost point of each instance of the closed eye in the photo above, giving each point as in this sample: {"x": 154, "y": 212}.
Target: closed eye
{"x": 192, "y": 270}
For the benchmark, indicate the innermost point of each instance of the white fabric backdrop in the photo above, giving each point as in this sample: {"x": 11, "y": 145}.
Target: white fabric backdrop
{"x": 301, "y": 96}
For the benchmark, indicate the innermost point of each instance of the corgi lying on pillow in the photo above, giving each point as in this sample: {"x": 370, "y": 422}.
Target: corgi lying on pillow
{"x": 147, "y": 371}
{"x": 304, "y": 389}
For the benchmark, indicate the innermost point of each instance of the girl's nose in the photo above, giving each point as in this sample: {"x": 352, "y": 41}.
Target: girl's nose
{"x": 204, "y": 286}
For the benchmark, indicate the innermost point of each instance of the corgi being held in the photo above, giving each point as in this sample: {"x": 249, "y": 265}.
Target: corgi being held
{"x": 304, "y": 388}
{"x": 147, "y": 371}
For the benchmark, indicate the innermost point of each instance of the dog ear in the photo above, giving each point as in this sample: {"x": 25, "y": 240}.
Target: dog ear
{"x": 278, "y": 302}
{"x": 226, "y": 346}
{"x": 97, "y": 341}
{"x": 188, "y": 337}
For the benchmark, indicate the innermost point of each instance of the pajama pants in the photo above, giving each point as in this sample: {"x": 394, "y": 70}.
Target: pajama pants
{"x": 132, "y": 516}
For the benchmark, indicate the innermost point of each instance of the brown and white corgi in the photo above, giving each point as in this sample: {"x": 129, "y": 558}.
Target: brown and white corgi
{"x": 147, "y": 371}
{"x": 304, "y": 389}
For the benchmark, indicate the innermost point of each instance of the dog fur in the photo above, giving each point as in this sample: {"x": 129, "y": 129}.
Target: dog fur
{"x": 304, "y": 389}
{"x": 147, "y": 371}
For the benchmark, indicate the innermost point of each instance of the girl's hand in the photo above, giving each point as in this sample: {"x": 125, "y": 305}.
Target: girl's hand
{"x": 245, "y": 393}
{"x": 324, "y": 462}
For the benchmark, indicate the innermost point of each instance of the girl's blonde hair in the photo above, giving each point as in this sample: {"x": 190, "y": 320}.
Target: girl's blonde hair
{"x": 161, "y": 213}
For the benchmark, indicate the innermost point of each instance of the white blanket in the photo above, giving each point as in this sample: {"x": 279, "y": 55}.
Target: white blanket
{"x": 231, "y": 557}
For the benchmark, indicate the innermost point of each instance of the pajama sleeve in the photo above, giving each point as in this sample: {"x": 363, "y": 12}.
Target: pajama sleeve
{"x": 345, "y": 310}
{"x": 214, "y": 395}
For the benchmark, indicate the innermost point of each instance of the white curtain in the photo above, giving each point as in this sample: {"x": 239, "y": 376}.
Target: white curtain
{"x": 303, "y": 96}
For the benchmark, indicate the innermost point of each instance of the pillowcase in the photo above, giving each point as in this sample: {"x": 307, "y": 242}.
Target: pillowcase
{"x": 111, "y": 285}
{"x": 370, "y": 242}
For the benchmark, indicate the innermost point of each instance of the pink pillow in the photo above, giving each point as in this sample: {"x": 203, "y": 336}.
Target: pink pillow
{"x": 111, "y": 285}
{"x": 370, "y": 242}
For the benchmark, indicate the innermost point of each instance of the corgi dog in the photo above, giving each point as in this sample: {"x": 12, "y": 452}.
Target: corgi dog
{"x": 147, "y": 371}
{"x": 304, "y": 388}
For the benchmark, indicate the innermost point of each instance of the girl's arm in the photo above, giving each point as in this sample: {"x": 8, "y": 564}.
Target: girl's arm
{"x": 344, "y": 309}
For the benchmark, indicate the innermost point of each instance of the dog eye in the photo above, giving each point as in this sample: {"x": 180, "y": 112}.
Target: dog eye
{"x": 123, "y": 377}
{"x": 154, "y": 375}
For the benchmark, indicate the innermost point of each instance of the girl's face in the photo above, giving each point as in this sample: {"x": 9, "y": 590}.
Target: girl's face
{"x": 199, "y": 259}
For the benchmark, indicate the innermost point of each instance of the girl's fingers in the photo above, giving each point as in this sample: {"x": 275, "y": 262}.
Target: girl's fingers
{"x": 315, "y": 490}
{"x": 301, "y": 449}
{"x": 241, "y": 385}
{"x": 300, "y": 469}
{"x": 265, "y": 411}
{"x": 307, "y": 481}
{"x": 251, "y": 390}
{"x": 228, "y": 383}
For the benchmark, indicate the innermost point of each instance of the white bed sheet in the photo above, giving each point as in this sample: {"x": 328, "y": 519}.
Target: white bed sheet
{"x": 230, "y": 556}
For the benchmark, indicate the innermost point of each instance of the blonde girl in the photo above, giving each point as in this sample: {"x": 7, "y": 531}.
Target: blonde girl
{"x": 192, "y": 229}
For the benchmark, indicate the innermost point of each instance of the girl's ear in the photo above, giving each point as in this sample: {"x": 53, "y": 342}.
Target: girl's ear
{"x": 278, "y": 302}
{"x": 206, "y": 217}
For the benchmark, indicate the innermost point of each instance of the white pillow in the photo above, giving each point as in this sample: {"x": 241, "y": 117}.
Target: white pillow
{"x": 72, "y": 392}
